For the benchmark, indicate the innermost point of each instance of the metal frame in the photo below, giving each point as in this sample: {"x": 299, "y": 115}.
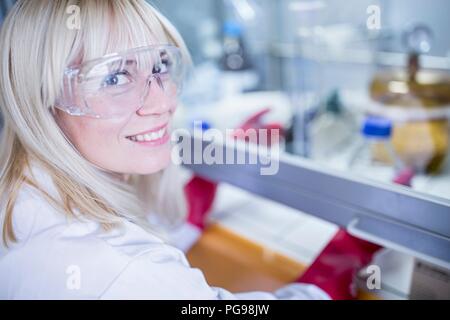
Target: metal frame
{"x": 390, "y": 215}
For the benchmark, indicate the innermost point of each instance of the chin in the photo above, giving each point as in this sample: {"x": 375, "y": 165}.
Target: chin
{"x": 153, "y": 165}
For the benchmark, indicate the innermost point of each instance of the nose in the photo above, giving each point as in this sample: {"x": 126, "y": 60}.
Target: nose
{"x": 154, "y": 101}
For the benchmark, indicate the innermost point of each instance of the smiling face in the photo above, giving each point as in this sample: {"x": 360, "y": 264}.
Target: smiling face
{"x": 129, "y": 61}
{"x": 136, "y": 143}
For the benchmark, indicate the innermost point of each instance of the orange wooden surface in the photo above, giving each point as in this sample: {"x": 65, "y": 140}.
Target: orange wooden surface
{"x": 237, "y": 264}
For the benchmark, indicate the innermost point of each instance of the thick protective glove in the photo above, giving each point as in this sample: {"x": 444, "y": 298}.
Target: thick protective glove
{"x": 272, "y": 129}
{"x": 335, "y": 268}
{"x": 200, "y": 192}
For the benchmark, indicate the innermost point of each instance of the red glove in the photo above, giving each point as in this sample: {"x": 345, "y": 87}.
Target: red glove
{"x": 404, "y": 177}
{"x": 200, "y": 194}
{"x": 274, "y": 129}
{"x": 336, "y": 266}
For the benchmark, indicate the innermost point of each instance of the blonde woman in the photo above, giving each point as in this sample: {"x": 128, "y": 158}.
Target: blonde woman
{"x": 85, "y": 155}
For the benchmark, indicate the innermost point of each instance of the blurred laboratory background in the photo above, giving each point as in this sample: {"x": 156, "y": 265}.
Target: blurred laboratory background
{"x": 361, "y": 89}
{"x": 361, "y": 86}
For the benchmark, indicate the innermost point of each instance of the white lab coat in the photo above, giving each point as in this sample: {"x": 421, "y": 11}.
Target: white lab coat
{"x": 58, "y": 258}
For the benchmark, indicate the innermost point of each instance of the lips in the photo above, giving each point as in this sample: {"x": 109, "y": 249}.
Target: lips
{"x": 152, "y": 135}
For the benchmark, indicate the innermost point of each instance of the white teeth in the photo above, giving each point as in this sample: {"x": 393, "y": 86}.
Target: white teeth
{"x": 149, "y": 136}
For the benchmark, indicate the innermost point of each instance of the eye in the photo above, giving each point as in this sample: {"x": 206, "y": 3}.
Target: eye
{"x": 162, "y": 67}
{"x": 116, "y": 79}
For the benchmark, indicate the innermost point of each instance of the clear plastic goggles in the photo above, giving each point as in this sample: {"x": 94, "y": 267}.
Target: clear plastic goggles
{"x": 120, "y": 83}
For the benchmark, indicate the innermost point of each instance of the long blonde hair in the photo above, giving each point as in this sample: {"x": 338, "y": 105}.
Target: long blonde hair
{"x": 37, "y": 44}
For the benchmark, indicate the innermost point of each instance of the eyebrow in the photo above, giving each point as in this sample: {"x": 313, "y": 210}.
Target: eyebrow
{"x": 128, "y": 62}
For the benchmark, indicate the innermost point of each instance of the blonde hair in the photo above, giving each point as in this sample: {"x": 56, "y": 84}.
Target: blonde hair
{"x": 37, "y": 45}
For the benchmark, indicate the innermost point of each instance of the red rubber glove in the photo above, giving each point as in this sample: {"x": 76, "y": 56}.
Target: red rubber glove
{"x": 336, "y": 266}
{"x": 404, "y": 177}
{"x": 200, "y": 194}
{"x": 274, "y": 129}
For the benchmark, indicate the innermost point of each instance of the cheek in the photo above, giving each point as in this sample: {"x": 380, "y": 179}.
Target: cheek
{"x": 103, "y": 144}
{"x": 97, "y": 141}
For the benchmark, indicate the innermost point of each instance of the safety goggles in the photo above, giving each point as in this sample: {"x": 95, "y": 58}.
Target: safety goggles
{"x": 121, "y": 83}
